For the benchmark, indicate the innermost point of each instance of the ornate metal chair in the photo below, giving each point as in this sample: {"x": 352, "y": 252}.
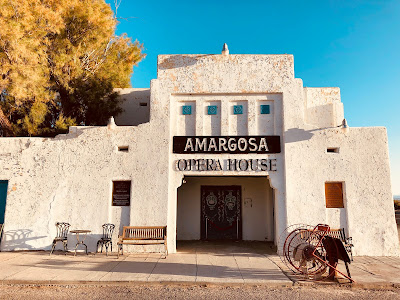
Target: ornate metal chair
{"x": 62, "y": 236}
{"x": 106, "y": 239}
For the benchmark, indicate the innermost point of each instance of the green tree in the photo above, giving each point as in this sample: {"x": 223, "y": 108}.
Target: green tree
{"x": 59, "y": 64}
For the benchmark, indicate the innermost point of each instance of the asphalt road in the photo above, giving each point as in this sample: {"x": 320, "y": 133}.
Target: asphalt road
{"x": 190, "y": 292}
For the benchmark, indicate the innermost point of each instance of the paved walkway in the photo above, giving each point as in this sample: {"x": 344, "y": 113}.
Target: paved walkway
{"x": 233, "y": 263}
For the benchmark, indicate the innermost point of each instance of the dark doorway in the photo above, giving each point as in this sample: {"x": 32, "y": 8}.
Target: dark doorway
{"x": 221, "y": 212}
{"x": 3, "y": 196}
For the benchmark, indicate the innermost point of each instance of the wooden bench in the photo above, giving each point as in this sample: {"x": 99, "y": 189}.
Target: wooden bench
{"x": 143, "y": 235}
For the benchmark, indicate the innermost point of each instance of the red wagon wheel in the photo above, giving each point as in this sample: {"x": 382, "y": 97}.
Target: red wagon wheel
{"x": 300, "y": 247}
{"x": 310, "y": 251}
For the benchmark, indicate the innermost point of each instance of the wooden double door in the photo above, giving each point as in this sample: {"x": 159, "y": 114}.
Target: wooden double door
{"x": 221, "y": 212}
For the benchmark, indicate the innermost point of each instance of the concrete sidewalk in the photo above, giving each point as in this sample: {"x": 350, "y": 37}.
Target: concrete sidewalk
{"x": 241, "y": 263}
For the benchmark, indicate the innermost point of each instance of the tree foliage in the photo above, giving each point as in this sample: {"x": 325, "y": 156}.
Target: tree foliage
{"x": 59, "y": 64}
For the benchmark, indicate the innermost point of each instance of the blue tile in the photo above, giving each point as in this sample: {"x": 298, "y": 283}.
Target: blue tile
{"x": 212, "y": 109}
{"x": 238, "y": 109}
{"x": 187, "y": 110}
{"x": 265, "y": 110}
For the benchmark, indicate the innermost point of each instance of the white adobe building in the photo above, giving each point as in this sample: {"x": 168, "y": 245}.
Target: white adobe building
{"x": 233, "y": 143}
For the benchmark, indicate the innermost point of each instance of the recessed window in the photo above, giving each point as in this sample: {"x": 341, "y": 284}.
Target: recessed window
{"x": 332, "y": 150}
{"x": 212, "y": 109}
{"x": 123, "y": 148}
{"x": 265, "y": 109}
{"x": 238, "y": 109}
{"x": 143, "y": 104}
{"x": 186, "y": 110}
{"x": 334, "y": 194}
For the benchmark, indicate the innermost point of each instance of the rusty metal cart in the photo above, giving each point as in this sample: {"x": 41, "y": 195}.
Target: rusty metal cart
{"x": 314, "y": 251}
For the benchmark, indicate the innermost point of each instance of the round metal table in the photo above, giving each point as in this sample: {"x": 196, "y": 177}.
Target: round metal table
{"x": 83, "y": 232}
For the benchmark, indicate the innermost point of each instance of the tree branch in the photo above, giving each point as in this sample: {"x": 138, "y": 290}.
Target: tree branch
{"x": 4, "y": 123}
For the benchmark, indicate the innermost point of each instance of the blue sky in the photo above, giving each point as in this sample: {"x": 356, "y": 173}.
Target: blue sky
{"x": 354, "y": 45}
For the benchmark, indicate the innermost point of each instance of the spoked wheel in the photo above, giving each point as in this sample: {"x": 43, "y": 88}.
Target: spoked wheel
{"x": 303, "y": 252}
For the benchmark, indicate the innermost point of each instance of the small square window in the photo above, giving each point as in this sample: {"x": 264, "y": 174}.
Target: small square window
{"x": 238, "y": 109}
{"x": 265, "y": 109}
{"x": 123, "y": 148}
{"x": 186, "y": 110}
{"x": 212, "y": 109}
{"x": 332, "y": 150}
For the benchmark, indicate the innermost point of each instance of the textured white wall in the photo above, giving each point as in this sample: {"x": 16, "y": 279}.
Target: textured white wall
{"x": 323, "y": 107}
{"x": 303, "y": 166}
{"x": 69, "y": 178}
{"x": 186, "y": 124}
{"x": 363, "y": 165}
{"x": 251, "y": 122}
{"x": 136, "y": 105}
{"x": 238, "y": 124}
{"x": 250, "y": 78}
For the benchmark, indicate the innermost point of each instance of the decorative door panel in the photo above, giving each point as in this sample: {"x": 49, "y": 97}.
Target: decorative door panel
{"x": 221, "y": 212}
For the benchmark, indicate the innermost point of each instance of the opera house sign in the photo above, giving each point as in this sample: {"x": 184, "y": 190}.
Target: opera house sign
{"x": 226, "y": 145}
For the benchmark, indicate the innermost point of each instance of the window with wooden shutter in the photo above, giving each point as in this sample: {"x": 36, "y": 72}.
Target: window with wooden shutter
{"x": 334, "y": 194}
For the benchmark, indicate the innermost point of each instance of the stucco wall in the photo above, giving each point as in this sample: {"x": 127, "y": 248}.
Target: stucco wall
{"x": 362, "y": 164}
{"x": 209, "y": 73}
{"x": 69, "y": 178}
{"x": 136, "y": 105}
{"x": 323, "y": 107}
{"x": 298, "y": 194}
{"x": 223, "y": 78}
{"x": 225, "y": 122}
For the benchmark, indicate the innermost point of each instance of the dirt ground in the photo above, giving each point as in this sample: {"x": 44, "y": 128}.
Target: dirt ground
{"x": 160, "y": 291}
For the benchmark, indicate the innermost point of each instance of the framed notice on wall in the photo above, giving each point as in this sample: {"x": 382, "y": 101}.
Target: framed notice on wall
{"x": 121, "y": 195}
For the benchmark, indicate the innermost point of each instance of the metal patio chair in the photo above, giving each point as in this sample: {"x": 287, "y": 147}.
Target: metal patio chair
{"x": 106, "y": 239}
{"x": 62, "y": 236}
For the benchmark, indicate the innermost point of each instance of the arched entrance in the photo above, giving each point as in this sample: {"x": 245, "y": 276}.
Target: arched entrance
{"x": 225, "y": 208}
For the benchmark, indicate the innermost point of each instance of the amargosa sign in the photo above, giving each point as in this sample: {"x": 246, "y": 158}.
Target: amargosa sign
{"x": 227, "y": 144}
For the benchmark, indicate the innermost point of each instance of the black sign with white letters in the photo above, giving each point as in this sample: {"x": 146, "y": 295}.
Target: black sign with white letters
{"x": 227, "y": 144}
{"x": 121, "y": 193}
